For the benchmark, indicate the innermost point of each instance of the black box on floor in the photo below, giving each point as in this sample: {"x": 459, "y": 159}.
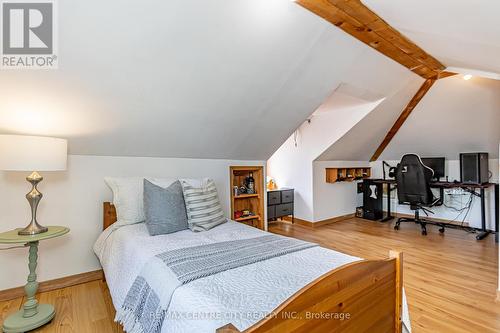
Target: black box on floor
{"x": 372, "y": 200}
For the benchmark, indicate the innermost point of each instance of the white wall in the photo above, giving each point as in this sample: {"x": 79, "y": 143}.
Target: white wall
{"x": 333, "y": 200}
{"x": 456, "y": 198}
{"x": 292, "y": 166}
{"x": 74, "y": 199}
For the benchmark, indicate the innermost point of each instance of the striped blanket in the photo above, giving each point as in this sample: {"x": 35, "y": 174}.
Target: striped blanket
{"x": 147, "y": 301}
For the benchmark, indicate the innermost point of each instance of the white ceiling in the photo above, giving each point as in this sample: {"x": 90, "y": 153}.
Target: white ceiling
{"x": 455, "y": 116}
{"x": 185, "y": 78}
{"x": 220, "y": 78}
{"x": 460, "y": 33}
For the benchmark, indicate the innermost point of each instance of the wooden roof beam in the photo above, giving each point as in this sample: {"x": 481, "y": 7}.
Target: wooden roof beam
{"x": 426, "y": 86}
{"x": 359, "y": 21}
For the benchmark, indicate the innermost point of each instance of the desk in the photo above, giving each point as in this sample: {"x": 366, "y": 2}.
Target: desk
{"x": 471, "y": 188}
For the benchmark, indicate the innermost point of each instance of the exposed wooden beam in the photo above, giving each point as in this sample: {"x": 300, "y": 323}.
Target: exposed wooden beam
{"x": 445, "y": 74}
{"x": 360, "y": 22}
{"x": 403, "y": 116}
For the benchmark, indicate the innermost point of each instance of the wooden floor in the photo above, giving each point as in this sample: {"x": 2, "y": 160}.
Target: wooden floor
{"x": 450, "y": 279}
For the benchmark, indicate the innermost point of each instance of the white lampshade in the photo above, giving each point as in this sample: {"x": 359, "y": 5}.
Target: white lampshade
{"x": 32, "y": 153}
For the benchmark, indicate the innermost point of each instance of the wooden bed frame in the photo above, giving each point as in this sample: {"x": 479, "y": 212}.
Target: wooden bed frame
{"x": 363, "y": 296}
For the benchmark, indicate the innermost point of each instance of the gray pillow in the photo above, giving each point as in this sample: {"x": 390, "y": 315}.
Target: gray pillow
{"x": 164, "y": 208}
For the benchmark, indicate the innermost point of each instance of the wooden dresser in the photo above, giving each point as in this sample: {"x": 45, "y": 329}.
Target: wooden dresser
{"x": 280, "y": 203}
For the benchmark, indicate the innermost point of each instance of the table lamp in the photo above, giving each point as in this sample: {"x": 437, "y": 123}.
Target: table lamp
{"x": 32, "y": 153}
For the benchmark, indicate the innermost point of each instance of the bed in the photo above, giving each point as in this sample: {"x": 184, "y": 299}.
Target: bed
{"x": 313, "y": 290}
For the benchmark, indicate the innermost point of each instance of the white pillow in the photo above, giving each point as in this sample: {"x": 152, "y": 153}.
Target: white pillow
{"x": 203, "y": 207}
{"x": 128, "y": 195}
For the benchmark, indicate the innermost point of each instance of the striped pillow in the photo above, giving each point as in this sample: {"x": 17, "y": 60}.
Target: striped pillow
{"x": 203, "y": 208}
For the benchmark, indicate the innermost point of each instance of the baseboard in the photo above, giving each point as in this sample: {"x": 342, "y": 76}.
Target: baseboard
{"x": 68, "y": 281}
{"x": 465, "y": 224}
{"x": 298, "y": 221}
{"x": 310, "y": 224}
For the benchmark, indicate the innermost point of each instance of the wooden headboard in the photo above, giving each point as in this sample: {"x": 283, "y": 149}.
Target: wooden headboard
{"x": 109, "y": 215}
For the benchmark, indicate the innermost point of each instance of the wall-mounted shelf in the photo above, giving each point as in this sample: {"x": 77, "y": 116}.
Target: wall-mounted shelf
{"x": 334, "y": 175}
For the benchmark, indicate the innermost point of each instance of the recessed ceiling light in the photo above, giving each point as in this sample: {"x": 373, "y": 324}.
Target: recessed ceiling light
{"x": 467, "y": 77}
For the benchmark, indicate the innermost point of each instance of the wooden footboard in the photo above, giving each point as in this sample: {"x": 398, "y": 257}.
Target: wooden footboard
{"x": 364, "y": 296}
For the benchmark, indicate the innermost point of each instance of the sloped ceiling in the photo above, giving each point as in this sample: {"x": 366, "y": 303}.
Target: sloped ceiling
{"x": 455, "y": 116}
{"x": 183, "y": 78}
{"x": 362, "y": 140}
{"x": 460, "y": 33}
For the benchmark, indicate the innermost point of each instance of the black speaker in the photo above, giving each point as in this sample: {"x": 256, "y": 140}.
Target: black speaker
{"x": 372, "y": 200}
{"x": 474, "y": 168}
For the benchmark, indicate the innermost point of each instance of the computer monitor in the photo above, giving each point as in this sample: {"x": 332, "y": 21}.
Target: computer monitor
{"x": 436, "y": 164}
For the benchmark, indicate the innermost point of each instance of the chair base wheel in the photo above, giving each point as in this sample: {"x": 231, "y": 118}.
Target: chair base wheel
{"x": 396, "y": 227}
{"x": 424, "y": 232}
{"x": 441, "y": 230}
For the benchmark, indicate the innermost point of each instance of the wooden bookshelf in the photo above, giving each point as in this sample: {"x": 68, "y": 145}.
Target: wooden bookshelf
{"x": 334, "y": 175}
{"x": 252, "y": 202}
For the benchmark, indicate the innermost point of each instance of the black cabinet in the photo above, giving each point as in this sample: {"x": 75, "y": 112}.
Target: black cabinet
{"x": 280, "y": 203}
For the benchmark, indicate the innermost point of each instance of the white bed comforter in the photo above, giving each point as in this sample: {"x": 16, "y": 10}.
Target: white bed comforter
{"x": 240, "y": 296}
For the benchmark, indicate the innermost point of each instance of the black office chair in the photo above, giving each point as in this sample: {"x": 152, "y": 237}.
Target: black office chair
{"x": 413, "y": 179}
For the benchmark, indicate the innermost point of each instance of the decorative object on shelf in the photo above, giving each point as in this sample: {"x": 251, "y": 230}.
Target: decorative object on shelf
{"x": 243, "y": 214}
{"x": 32, "y": 315}
{"x": 236, "y": 191}
{"x": 334, "y": 175}
{"x": 250, "y": 184}
{"x": 248, "y": 205}
{"x": 271, "y": 184}
{"x": 32, "y": 153}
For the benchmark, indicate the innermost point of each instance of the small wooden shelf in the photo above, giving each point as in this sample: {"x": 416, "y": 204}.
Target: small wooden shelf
{"x": 246, "y": 196}
{"x": 348, "y": 174}
{"x": 254, "y": 203}
{"x": 246, "y": 218}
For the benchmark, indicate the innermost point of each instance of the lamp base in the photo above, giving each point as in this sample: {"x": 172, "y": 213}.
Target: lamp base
{"x": 17, "y": 323}
{"x": 33, "y": 197}
{"x": 33, "y": 229}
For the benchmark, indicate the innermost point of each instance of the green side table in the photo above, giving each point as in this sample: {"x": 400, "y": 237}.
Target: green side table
{"x": 32, "y": 315}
